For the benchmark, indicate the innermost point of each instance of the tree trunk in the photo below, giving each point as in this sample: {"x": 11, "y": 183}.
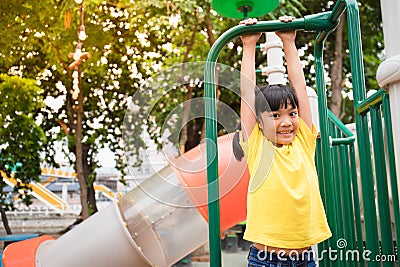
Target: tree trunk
{"x": 91, "y": 195}
{"x": 210, "y": 34}
{"x": 5, "y": 220}
{"x": 87, "y": 171}
{"x": 217, "y": 96}
{"x": 186, "y": 106}
{"x": 336, "y": 70}
{"x": 79, "y": 154}
{"x": 211, "y": 41}
{"x": 185, "y": 120}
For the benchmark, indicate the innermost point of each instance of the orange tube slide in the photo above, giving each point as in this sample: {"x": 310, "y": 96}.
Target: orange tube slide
{"x": 191, "y": 171}
{"x": 23, "y": 255}
{"x": 233, "y": 181}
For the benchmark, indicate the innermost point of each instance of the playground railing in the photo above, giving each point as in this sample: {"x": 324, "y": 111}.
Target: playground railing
{"x": 377, "y": 108}
{"x": 318, "y": 22}
{"x": 345, "y": 220}
{"x": 351, "y": 192}
{"x": 359, "y": 228}
{"x": 354, "y": 225}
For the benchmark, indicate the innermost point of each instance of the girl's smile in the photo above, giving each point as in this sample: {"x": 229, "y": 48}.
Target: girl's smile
{"x": 281, "y": 126}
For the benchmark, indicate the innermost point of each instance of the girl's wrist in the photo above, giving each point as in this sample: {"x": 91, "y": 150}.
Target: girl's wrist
{"x": 249, "y": 45}
{"x": 289, "y": 44}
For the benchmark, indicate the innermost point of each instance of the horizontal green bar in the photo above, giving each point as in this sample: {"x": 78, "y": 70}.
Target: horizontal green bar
{"x": 372, "y": 100}
{"x": 316, "y": 22}
{"x": 339, "y": 124}
{"x": 342, "y": 141}
{"x": 337, "y": 11}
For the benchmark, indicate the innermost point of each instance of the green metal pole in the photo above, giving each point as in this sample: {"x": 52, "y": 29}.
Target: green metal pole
{"x": 331, "y": 206}
{"x": 212, "y": 166}
{"x": 357, "y": 70}
{"x": 381, "y": 182}
{"x": 345, "y": 139}
{"x": 339, "y": 124}
{"x": 356, "y": 203}
{"x": 392, "y": 166}
{"x": 337, "y": 11}
{"x": 349, "y": 232}
{"x": 317, "y": 22}
{"x": 322, "y": 184}
{"x": 338, "y": 192}
{"x": 372, "y": 100}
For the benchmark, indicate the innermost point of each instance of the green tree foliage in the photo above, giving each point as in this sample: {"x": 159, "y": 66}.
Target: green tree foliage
{"x": 130, "y": 42}
{"x": 21, "y": 139}
{"x": 372, "y": 42}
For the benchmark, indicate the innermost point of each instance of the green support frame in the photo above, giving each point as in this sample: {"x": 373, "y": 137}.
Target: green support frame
{"x": 319, "y": 23}
{"x": 349, "y": 217}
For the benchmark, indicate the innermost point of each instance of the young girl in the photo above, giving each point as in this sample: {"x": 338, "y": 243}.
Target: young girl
{"x": 285, "y": 214}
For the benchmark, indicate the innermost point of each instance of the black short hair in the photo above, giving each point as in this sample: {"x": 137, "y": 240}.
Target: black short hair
{"x": 236, "y": 147}
{"x": 273, "y": 97}
{"x": 268, "y": 98}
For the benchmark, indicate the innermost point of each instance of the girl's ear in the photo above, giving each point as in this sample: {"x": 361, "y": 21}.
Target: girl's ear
{"x": 260, "y": 124}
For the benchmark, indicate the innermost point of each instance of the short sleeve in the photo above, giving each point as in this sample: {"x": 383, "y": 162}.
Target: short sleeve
{"x": 248, "y": 145}
{"x": 308, "y": 136}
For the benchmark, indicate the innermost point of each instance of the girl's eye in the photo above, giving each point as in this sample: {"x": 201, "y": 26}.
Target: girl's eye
{"x": 293, "y": 114}
{"x": 275, "y": 115}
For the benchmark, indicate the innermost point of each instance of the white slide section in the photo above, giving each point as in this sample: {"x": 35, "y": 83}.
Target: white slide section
{"x": 155, "y": 224}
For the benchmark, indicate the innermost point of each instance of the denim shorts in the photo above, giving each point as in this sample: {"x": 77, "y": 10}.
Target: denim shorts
{"x": 260, "y": 258}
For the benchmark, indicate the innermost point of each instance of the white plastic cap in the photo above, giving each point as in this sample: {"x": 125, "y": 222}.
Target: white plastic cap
{"x": 388, "y": 72}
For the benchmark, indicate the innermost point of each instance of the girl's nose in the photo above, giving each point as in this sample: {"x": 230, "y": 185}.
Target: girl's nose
{"x": 286, "y": 121}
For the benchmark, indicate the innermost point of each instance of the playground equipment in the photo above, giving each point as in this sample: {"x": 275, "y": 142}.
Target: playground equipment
{"x": 46, "y": 196}
{"x": 40, "y": 192}
{"x": 156, "y": 224}
{"x": 53, "y": 174}
{"x": 336, "y": 155}
{"x": 244, "y": 9}
{"x": 388, "y": 74}
{"x": 139, "y": 230}
{"x": 275, "y": 70}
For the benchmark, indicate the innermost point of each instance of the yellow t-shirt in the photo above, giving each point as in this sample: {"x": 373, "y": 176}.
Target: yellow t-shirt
{"x": 284, "y": 206}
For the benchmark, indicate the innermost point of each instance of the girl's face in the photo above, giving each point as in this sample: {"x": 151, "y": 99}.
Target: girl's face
{"x": 281, "y": 126}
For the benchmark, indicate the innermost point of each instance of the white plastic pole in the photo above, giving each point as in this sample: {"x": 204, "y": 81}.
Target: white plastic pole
{"x": 388, "y": 74}
{"x": 102, "y": 240}
{"x": 275, "y": 70}
{"x": 313, "y": 98}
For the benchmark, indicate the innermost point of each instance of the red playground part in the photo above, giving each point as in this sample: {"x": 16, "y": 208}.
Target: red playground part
{"x": 23, "y": 254}
{"x": 233, "y": 181}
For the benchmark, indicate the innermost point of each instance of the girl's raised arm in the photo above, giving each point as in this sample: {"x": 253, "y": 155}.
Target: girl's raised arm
{"x": 295, "y": 72}
{"x": 248, "y": 81}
